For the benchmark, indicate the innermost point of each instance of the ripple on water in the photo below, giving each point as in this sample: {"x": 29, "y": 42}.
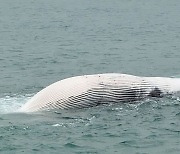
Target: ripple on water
{"x": 148, "y": 124}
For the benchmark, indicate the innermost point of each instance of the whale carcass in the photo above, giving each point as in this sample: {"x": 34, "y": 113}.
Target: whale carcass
{"x": 92, "y": 90}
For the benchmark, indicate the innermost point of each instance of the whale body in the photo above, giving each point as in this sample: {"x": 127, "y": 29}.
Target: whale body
{"x": 92, "y": 90}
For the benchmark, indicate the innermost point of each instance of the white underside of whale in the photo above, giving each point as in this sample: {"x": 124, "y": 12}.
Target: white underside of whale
{"x": 92, "y": 90}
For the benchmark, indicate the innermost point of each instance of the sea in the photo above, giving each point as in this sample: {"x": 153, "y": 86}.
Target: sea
{"x": 44, "y": 41}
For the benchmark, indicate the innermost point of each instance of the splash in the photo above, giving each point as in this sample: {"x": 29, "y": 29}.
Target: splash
{"x": 12, "y": 103}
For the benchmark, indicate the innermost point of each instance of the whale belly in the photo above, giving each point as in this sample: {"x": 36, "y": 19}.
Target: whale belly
{"x": 91, "y": 90}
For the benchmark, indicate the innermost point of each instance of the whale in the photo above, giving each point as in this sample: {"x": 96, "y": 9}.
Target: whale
{"x": 92, "y": 90}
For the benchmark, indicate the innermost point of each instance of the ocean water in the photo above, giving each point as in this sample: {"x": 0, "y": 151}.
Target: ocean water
{"x": 45, "y": 41}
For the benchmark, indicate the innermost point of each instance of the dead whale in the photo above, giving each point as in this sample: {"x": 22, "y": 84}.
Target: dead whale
{"x": 92, "y": 90}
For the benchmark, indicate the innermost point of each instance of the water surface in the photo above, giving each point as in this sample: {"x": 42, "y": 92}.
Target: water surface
{"x": 44, "y": 41}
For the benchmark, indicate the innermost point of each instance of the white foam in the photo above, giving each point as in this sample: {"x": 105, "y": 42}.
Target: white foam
{"x": 10, "y": 104}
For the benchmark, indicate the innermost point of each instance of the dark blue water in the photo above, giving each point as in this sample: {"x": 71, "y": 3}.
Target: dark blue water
{"x": 44, "y": 41}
